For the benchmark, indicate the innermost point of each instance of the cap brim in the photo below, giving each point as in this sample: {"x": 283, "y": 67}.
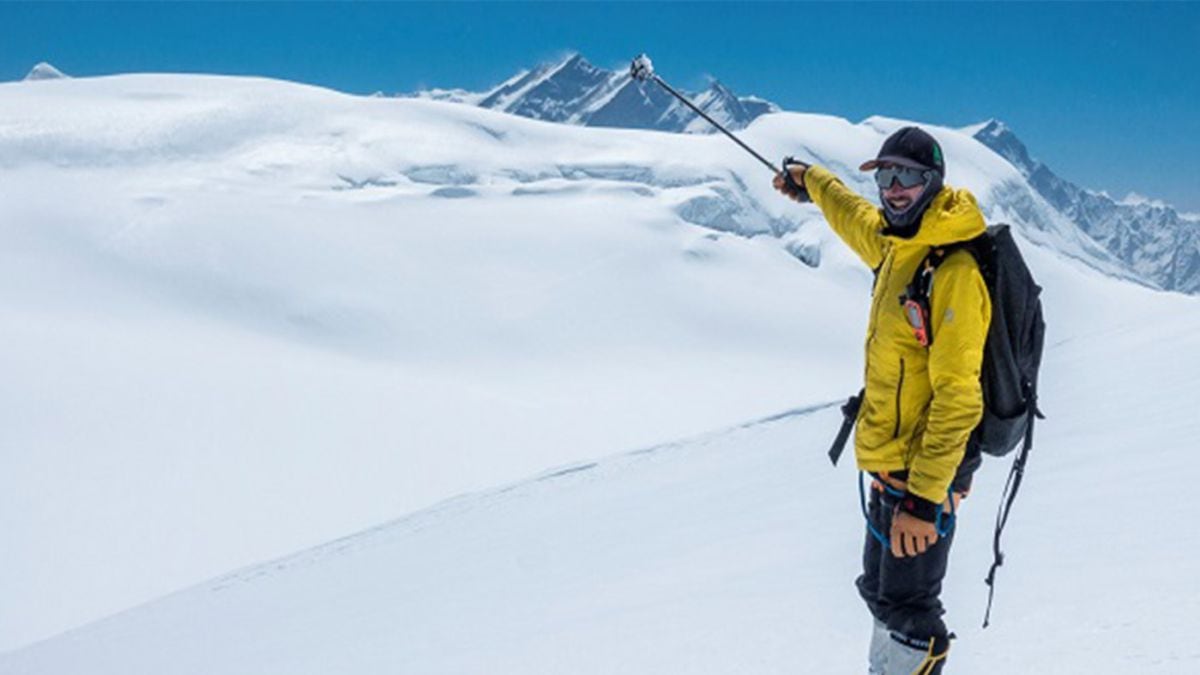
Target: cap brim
{"x": 872, "y": 164}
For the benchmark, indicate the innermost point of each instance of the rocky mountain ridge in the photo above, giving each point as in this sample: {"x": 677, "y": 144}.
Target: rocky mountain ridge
{"x": 574, "y": 91}
{"x": 1152, "y": 238}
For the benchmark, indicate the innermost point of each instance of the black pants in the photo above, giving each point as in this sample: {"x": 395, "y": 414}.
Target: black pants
{"x": 903, "y": 593}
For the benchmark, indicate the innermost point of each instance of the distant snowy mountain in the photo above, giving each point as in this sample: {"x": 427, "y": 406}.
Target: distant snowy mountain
{"x": 1154, "y": 239}
{"x": 576, "y": 92}
{"x": 45, "y": 71}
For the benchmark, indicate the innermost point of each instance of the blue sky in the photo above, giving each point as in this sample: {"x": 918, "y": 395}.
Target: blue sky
{"x": 1106, "y": 94}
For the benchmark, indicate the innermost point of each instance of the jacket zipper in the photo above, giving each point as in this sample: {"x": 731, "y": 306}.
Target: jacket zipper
{"x": 899, "y": 388}
{"x": 881, "y": 282}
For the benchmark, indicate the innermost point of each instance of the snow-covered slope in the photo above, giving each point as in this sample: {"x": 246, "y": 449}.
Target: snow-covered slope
{"x": 576, "y": 92}
{"x": 1154, "y": 239}
{"x": 735, "y": 551}
{"x": 243, "y": 317}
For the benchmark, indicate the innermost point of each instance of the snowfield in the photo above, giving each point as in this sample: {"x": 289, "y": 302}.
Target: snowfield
{"x": 244, "y": 318}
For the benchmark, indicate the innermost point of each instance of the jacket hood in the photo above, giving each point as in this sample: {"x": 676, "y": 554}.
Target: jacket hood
{"x": 952, "y": 216}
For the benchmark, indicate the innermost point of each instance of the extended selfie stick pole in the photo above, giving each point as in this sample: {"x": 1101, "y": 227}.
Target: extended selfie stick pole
{"x": 642, "y": 70}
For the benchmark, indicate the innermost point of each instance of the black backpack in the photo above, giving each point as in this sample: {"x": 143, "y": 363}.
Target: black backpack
{"x": 1011, "y": 358}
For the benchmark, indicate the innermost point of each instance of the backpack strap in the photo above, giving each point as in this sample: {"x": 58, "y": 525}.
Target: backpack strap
{"x": 916, "y": 297}
{"x": 1006, "y": 501}
{"x": 1010, "y": 494}
{"x": 915, "y": 300}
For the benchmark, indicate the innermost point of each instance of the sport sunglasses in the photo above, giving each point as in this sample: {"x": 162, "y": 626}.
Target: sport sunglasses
{"x": 908, "y": 177}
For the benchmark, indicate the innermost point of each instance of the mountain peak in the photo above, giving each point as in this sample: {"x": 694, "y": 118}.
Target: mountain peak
{"x": 573, "y": 59}
{"x": 995, "y": 127}
{"x": 999, "y": 137}
{"x": 45, "y": 71}
{"x": 574, "y": 91}
{"x": 992, "y": 128}
{"x": 716, "y": 86}
{"x": 1135, "y": 199}
{"x": 572, "y": 62}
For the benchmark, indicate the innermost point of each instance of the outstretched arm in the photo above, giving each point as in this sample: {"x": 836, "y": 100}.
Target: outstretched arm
{"x": 857, "y": 221}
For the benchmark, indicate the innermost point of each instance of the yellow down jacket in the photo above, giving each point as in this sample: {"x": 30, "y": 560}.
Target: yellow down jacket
{"x": 921, "y": 403}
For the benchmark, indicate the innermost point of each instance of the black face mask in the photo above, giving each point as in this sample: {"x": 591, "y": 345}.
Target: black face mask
{"x": 906, "y": 223}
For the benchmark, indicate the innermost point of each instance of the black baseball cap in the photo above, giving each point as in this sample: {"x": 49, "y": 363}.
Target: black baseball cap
{"x": 911, "y": 147}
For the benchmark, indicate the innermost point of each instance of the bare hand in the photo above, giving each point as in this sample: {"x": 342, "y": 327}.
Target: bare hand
{"x": 911, "y": 536}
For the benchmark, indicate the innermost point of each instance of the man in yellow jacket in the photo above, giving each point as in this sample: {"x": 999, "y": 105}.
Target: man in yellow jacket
{"x": 920, "y": 402}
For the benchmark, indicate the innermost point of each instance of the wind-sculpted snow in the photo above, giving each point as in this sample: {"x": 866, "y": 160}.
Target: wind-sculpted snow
{"x": 720, "y": 202}
{"x": 441, "y": 175}
{"x": 724, "y": 209}
{"x": 717, "y": 209}
{"x": 361, "y": 183}
{"x": 454, "y": 193}
{"x": 806, "y": 252}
